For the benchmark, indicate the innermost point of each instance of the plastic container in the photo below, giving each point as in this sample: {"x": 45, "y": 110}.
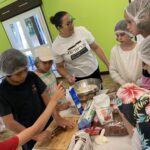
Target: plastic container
{"x": 76, "y": 99}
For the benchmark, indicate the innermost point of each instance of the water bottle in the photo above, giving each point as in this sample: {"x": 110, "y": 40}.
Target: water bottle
{"x": 76, "y": 99}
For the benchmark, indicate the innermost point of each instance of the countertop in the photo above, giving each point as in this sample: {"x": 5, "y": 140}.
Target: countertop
{"x": 116, "y": 143}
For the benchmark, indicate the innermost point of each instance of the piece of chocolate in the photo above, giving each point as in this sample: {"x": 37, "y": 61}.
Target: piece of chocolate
{"x": 58, "y": 130}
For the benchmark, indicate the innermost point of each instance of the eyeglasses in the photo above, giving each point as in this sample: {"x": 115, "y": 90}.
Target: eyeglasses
{"x": 70, "y": 22}
{"x": 120, "y": 34}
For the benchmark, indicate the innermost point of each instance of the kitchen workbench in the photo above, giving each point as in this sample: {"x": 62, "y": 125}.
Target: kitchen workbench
{"x": 116, "y": 143}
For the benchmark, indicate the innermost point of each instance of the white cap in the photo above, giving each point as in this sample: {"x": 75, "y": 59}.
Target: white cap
{"x": 44, "y": 54}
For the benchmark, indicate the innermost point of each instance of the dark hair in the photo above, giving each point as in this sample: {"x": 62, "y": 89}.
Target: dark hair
{"x": 56, "y": 19}
{"x": 36, "y": 61}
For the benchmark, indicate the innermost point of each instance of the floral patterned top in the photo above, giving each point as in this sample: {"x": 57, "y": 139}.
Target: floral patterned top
{"x": 134, "y": 103}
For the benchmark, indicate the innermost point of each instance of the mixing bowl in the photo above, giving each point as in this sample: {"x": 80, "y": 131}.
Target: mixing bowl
{"x": 86, "y": 89}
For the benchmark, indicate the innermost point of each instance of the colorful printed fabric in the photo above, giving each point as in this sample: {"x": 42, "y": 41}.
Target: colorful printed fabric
{"x": 134, "y": 103}
{"x": 130, "y": 92}
{"x": 50, "y": 80}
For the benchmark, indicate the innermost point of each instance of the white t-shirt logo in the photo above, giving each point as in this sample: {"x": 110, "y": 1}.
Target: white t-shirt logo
{"x": 77, "y": 50}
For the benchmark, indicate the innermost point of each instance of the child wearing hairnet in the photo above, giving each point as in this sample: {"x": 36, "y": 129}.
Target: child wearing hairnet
{"x": 144, "y": 123}
{"x": 43, "y": 62}
{"x": 23, "y": 96}
{"x": 124, "y": 57}
{"x": 134, "y": 102}
{"x": 137, "y": 16}
{"x": 21, "y": 138}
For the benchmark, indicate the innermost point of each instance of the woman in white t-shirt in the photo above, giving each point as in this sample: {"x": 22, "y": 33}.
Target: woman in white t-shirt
{"x": 125, "y": 65}
{"x": 72, "y": 50}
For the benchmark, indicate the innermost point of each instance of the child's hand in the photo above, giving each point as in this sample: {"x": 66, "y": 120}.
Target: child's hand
{"x": 63, "y": 106}
{"x": 44, "y": 136}
{"x": 64, "y": 122}
{"x": 60, "y": 91}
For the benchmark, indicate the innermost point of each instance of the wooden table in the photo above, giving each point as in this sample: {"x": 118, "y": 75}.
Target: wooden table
{"x": 61, "y": 141}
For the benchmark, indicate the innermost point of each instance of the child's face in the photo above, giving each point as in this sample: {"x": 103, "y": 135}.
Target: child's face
{"x": 122, "y": 37}
{"x": 19, "y": 77}
{"x": 131, "y": 25}
{"x": 44, "y": 66}
{"x": 146, "y": 67}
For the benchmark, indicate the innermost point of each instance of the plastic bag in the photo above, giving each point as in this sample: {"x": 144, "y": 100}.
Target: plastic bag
{"x": 81, "y": 141}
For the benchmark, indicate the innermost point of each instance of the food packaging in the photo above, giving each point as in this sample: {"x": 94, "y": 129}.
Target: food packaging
{"x": 103, "y": 110}
{"x": 104, "y": 115}
{"x": 115, "y": 129}
{"x": 87, "y": 116}
{"x": 81, "y": 141}
{"x": 92, "y": 131}
{"x": 76, "y": 99}
{"x": 101, "y": 100}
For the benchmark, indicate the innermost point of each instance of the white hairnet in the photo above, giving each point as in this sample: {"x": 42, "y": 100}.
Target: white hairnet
{"x": 139, "y": 11}
{"x": 144, "y": 50}
{"x": 121, "y": 26}
{"x": 11, "y": 61}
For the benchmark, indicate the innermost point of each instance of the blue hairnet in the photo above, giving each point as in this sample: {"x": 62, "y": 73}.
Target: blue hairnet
{"x": 121, "y": 26}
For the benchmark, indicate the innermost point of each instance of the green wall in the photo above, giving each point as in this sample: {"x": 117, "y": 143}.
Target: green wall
{"x": 4, "y": 43}
{"x": 4, "y": 3}
{"x": 99, "y": 16}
